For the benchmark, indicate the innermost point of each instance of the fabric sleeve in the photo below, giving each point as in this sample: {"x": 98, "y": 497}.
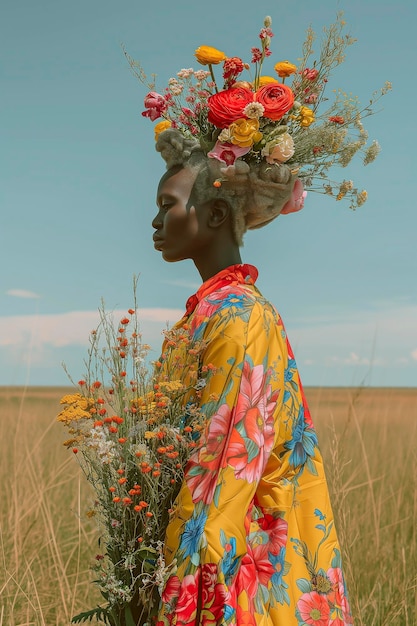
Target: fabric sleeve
{"x": 207, "y": 536}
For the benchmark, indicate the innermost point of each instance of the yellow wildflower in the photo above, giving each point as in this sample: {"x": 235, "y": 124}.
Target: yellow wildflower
{"x": 77, "y": 408}
{"x": 149, "y": 434}
{"x": 171, "y": 385}
{"x": 305, "y": 116}
{"x": 266, "y": 80}
{"x": 206, "y": 55}
{"x": 285, "y": 69}
{"x": 245, "y": 133}
{"x": 160, "y": 127}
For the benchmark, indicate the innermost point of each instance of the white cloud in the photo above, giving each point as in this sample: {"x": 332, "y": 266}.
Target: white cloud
{"x": 22, "y": 293}
{"x": 73, "y": 328}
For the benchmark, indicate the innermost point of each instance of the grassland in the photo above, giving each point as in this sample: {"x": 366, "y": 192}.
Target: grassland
{"x": 368, "y": 438}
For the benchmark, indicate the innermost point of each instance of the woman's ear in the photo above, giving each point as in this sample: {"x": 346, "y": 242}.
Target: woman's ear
{"x": 219, "y": 213}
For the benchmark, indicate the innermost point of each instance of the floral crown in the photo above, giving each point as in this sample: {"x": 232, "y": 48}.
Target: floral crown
{"x": 262, "y": 119}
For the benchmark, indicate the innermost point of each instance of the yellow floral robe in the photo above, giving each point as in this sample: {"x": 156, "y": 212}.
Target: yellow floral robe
{"x": 252, "y": 534}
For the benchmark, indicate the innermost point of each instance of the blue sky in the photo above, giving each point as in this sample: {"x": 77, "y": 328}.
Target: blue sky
{"x": 78, "y": 177}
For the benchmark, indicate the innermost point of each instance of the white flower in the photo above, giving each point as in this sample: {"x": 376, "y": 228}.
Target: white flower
{"x": 225, "y": 136}
{"x": 280, "y": 149}
{"x": 185, "y": 73}
{"x": 254, "y": 110}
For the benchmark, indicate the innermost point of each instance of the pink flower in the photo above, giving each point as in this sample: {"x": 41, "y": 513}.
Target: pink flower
{"x": 232, "y": 67}
{"x": 155, "y": 104}
{"x": 255, "y": 409}
{"x": 227, "y": 152}
{"x": 246, "y": 578}
{"x": 296, "y": 202}
{"x": 310, "y": 74}
{"x": 314, "y": 609}
{"x": 341, "y": 615}
{"x": 276, "y": 529}
{"x": 311, "y": 98}
{"x": 264, "y": 568}
{"x": 256, "y": 55}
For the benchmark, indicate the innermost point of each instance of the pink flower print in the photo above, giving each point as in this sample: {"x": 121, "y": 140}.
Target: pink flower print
{"x": 246, "y": 578}
{"x": 254, "y": 414}
{"x": 340, "y": 615}
{"x": 263, "y": 565}
{"x": 276, "y": 529}
{"x": 314, "y": 609}
{"x": 216, "y": 435}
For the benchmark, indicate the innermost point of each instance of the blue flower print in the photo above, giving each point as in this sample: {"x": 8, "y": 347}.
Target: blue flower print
{"x": 192, "y": 535}
{"x": 303, "y": 441}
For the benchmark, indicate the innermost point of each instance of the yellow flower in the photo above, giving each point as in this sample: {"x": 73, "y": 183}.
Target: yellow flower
{"x": 77, "y": 408}
{"x": 245, "y": 133}
{"x": 149, "y": 434}
{"x": 161, "y": 126}
{"x": 285, "y": 68}
{"x": 305, "y": 116}
{"x": 206, "y": 55}
{"x": 266, "y": 80}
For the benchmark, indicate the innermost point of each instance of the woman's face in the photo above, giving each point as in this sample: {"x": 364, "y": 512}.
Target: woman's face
{"x": 181, "y": 230}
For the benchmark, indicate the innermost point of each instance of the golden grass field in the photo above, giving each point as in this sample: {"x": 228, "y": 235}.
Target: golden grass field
{"x": 368, "y": 438}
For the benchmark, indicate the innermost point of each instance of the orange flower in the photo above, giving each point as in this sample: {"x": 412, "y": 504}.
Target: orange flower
{"x": 96, "y": 384}
{"x": 75, "y": 450}
{"x": 123, "y": 373}
{"x": 113, "y": 429}
{"x": 149, "y": 514}
{"x": 125, "y": 321}
{"x": 120, "y": 471}
{"x": 116, "y": 499}
{"x": 112, "y": 489}
{"x": 122, "y": 354}
{"x": 127, "y": 501}
{"x": 285, "y": 69}
{"x": 122, "y": 439}
{"x": 337, "y": 119}
{"x": 131, "y": 311}
{"x": 100, "y": 401}
{"x": 97, "y": 423}
{"x": 207, "y": 55}
{"x": 122, "y": 481}
{"x": 102, "y": 412}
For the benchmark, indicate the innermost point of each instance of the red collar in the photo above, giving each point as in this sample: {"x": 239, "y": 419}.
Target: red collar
{"x": 232, "y": 275}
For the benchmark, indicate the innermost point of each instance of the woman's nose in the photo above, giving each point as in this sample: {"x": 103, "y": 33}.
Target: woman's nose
{"x": 157, "y": 221}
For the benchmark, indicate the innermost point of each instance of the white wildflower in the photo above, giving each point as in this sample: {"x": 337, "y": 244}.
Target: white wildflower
{"x": 254, "y": 110}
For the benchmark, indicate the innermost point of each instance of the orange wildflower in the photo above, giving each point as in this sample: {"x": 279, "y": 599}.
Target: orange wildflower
{"x": 122, "y": 440}
{"x": 75, "y": 450}
{"x": 113, "y": 429}
{"x": 112, "y": 489}
{"x": 116, "y": 499}
{"x": 122, "y": 481}
{"x": 96, "y": 384}
{"x": 131, "y": 311}
{"x": 125, "y": 321}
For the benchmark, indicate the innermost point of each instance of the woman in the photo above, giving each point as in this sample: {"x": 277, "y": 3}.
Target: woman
{"x": 252, "y": 538}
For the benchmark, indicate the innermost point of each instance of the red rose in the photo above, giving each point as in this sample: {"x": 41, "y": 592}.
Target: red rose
{"x": 276, "y": 99}
{"x": 186, "y": 608}
{"x": 227, "y": 106}
{"x": 209, "y": 578}
{"x": 171, "y": 589}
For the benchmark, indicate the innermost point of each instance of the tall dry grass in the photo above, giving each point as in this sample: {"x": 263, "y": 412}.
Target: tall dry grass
{"x": 47, "y": 543}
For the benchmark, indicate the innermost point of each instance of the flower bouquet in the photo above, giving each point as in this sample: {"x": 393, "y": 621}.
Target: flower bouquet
{"x": 260, "y": 118}
{"x": 132, "y": 438}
